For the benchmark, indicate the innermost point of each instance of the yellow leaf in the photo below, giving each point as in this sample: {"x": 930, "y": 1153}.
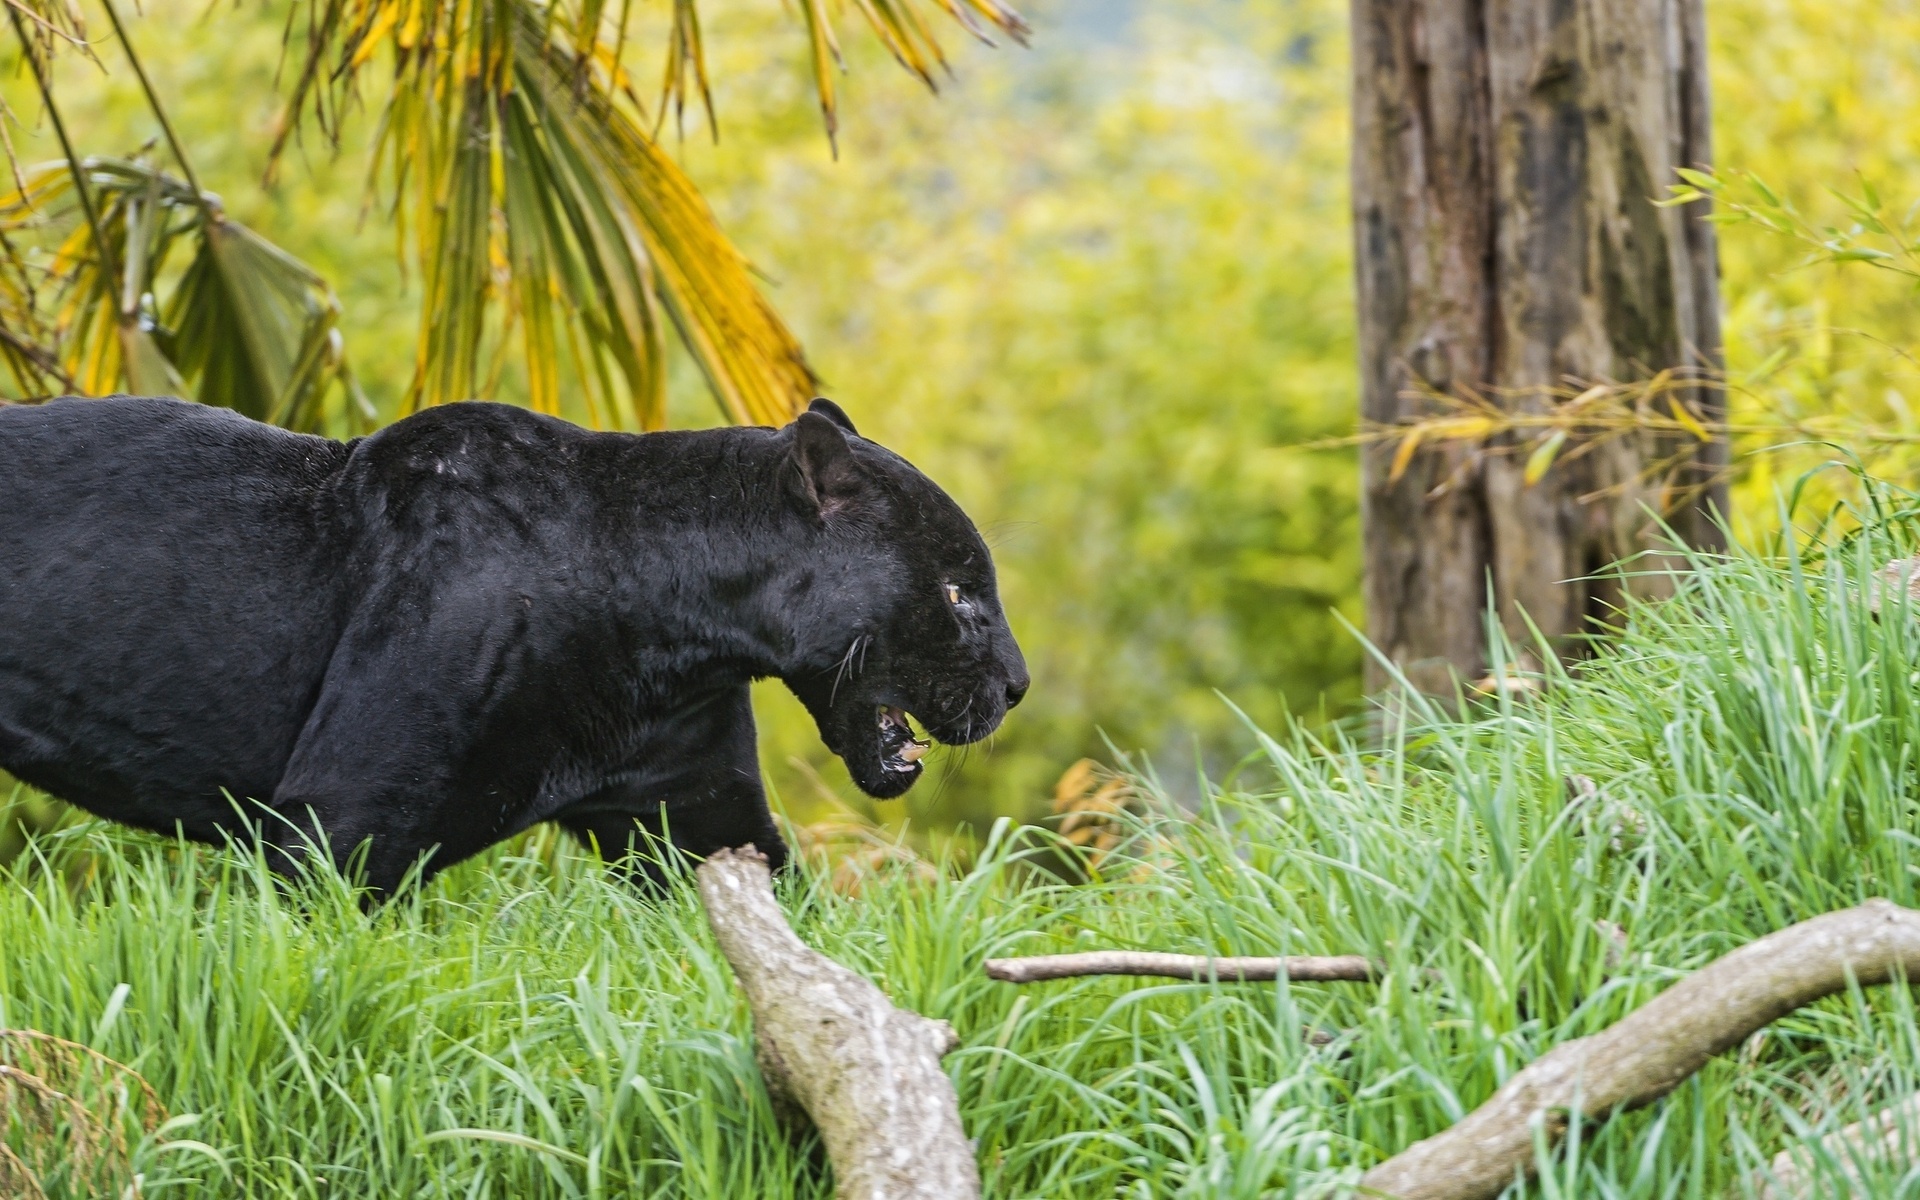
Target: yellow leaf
{"x": 1459, "y": 428}
{"x": 410, "y": 32}
{"x": 1404, "y": 454}
{"x": 1596, "y": 392}
{"x": 1659, "y": 382}
{"x": 1541, "y": 460}
{"x": 1686, "y": 418}
{"x": 383, "y": 23}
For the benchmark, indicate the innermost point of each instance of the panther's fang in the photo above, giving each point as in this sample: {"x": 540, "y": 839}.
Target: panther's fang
{"x": 898, "y": 747}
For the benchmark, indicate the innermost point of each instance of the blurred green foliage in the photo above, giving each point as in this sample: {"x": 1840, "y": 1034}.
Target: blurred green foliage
{"x": 1817, "y": 98}
{"x": 1097, "y": 293}
{"x": 1096, "y": 290}
{"x": 1100, "y": 290}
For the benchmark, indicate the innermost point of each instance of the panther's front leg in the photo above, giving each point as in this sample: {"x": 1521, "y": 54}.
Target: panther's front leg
{"x": 638, "y": 849}
{"x": 696, "y": 789}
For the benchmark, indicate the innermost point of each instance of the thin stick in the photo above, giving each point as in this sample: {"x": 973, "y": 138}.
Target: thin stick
{"x": 1340, "y": 968}
{"x": 159, "y": 113}
{"x": 1654, "y": 1049}
{"x": 109, "y": 270}
{"x": 40, "y": 357}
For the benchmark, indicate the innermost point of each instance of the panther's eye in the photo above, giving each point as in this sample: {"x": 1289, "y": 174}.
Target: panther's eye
{"x": 953, "y": 594}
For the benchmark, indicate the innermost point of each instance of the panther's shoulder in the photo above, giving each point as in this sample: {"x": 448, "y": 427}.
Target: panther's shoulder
{"x": 471, "y": 426}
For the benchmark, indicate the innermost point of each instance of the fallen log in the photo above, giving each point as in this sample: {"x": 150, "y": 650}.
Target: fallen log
{"x": 867, "y": 1074}
{"x": 1652, "y": 1050}
{"x": 1340, "y": 968}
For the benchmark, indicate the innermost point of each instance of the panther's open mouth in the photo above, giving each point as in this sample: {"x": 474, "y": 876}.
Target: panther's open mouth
{"x": 900, "y": 751}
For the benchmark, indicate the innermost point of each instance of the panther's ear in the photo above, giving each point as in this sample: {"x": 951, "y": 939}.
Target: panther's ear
{"x": 833, "y": 412}
{"x": 825, "y": 477}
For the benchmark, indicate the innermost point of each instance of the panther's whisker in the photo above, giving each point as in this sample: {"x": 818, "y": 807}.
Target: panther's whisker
{"x": 846, "y": 660}
{"x": 950, "y": 766}
{"x": 999, "y": 533}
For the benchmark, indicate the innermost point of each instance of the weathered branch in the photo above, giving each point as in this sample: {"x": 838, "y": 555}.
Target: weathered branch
{"x": 1889, "y": 1135}
{"x": 1347, "y": 968}
{"x": 1648, "y": 1053}
{"x": 867, "y": 1073}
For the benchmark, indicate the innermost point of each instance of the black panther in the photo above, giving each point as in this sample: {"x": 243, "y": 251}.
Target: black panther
{"x": 410, "y": 646}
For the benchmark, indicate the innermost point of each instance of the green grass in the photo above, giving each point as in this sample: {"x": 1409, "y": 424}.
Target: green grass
{"x": 526, "y": 1029}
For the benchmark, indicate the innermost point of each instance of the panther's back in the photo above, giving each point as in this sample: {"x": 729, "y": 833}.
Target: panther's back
{"x": 169, "y": 593}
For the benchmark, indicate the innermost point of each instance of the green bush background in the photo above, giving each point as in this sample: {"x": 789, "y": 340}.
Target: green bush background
{"x": 1099, "y": 289}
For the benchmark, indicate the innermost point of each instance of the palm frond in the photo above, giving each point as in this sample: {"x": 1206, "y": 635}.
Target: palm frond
{"x": 524, "y": 175}
{"x": 257, "y": 330}
{"x": 542, "y": 211}
{"x": 686, "y": 62}
{"x": 685, "y": 263}
{"x": 905, "y": 33}
{"x": 243, "y": 325}
{"x": 824, "y": 51}
{"x": 458, "y": 228}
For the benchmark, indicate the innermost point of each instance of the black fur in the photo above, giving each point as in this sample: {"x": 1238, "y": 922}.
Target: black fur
{"x": 474, "y": 620}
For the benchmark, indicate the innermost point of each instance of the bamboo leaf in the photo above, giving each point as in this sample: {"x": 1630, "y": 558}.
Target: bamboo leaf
{"x": 1459, "y": 428}
{"x": 1404, "y": 454}
{"x": 1598, "y": 391}
{"x": 1541, "y": 460}
{"x": 1684, "y": 415}
{"x": 1659, "y": 382}
{"x": 1677, "y": 195}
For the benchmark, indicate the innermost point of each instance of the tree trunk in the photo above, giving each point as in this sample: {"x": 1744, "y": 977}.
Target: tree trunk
{"x": 1506, "y": 154}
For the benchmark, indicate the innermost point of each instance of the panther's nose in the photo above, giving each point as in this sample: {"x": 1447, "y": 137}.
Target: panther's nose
{"x": 1017, "y": 690}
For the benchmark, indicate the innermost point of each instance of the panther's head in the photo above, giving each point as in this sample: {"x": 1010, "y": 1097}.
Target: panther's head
{"x": 906, "y": 615}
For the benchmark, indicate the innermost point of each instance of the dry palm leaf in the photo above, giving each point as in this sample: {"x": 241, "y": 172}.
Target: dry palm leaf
{"x": 244, "y": 325}
{"x": 523, "y": 172}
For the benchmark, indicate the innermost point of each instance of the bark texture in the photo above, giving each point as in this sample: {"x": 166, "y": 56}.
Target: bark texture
{"x": 867, "y": 1073}
{"x": 1340, "y": 968}
{"x": 1647, "y": 1054}
{"x": 1505, "y": 158}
